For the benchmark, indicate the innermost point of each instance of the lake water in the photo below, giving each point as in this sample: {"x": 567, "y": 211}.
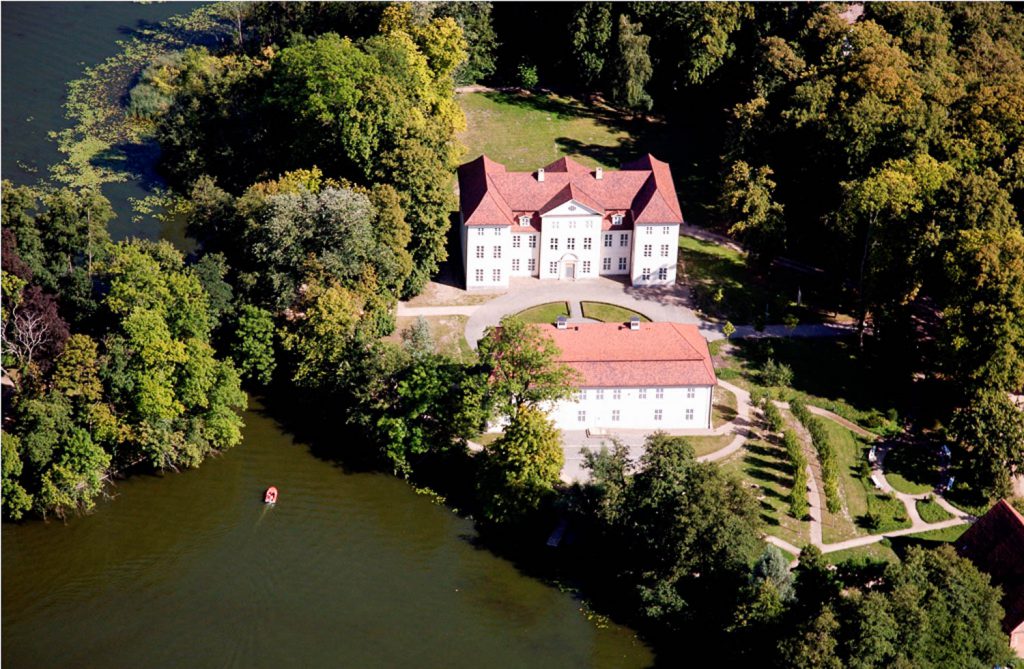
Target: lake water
{"x": 191, "y": 569}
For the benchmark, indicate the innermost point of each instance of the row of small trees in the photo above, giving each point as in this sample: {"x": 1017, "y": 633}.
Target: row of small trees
{"x": 798, "y": 506}
{"x": 826, "y": 453}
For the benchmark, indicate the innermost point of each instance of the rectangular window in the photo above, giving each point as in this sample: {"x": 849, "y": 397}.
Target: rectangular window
{"x": 599, "y": 394}
{"x": 664, "y": 250}
{"x": 581, "y": 416}
{"x": 665, "y": 229}
{"x": 497, "y": 251}
{"x": 643, "y": 393}
{"x": 583, "y": 393}
{"x": 624, "y": 239}
{"x": 663, "y": 273}
{"x": 479, "y": 252}
{"x": 586, "y": 267}
{"x": 497, "y": 232}
{"x": 689, "y": 414}
{"x": 553, "y": 267}
{"x": 615, "y": 415}
{"x": 515, "y": 264}
{"x": 616, "y": 219}
{"x": 617, "y": 394}
{"x": 608, "y": 241}
{"x": 570, "y": 243}
{"x": 645, "y": 273}
{"x": 572, "y": 225}
{"x": 691, "y": 393}
{"x": 480, "y": 232}
{"x": 588, "y": 243}
{"x": 650, "y": 230}
{"x": 657, "y": 414}
{"x": 554, "y": 244}
{"x": 497, "y": 275}
{"x": 533, "y": 241}
{"x": 606, "y": 264}
{"x": 622, "y": 264}
{"x": 479, "y": 276}
{"x": 517, "y": 241}
{"x": 659, "y": 393}
{"x": 531, "y": 264}
{"x": 647, "y": 250}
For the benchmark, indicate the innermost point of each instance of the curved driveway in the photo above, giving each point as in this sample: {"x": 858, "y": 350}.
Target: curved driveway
{"x": 657, "y": 303}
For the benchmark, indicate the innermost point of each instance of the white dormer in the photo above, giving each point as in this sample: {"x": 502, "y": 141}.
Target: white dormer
{"x": 540, "y": 174}
{"x": 524, "y": 221}
{"x": 599, "y": 174}
{"x": 617, "y": 219}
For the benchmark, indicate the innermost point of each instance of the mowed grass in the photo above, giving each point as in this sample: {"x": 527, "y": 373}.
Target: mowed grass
{"x": 448, "y": 332}
{"x": 849, "y": 453}
{"x": 912, "y": 468}
{"x": 705, "y": 445}
{"x": 764, "y": 468}
{"x": 524, "y": 131}
{"x": 931, "y": 512}
{"x": 544, "y": 313}
{"x": 723, "y": 408}
{"x": 609, "y": 313}
{"x": 879, "y": 552}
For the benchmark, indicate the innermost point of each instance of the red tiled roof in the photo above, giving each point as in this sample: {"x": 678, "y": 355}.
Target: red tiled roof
{"x": 658, "y": 354}
{"x": 491, "y": 195}
{"x": 995, "y": 544}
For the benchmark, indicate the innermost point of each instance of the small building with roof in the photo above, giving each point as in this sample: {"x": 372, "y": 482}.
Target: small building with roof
{"x": 635, "y": 376}
{"x": 566, "y": 221}
{"x": 995, "y": 544}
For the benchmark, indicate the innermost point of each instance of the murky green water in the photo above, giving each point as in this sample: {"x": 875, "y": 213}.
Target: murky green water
{"x": 192, "y": 570}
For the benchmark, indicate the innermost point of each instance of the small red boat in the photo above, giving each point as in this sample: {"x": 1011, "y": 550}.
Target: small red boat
{"x": 270, "y": 496}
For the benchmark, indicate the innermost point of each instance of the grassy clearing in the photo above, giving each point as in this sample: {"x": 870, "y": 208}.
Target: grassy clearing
{"x": 525, "y": 131}
{"x": 912, "y": 468}
{"x": 705, "y": 445}
{"x": 723, "y": 409}
{"x": 849, "y": 454}
{"x": 828, "y": 372}
{"x": 487, "y": 438}
{"x": 725, "y": 287}
{"x": 878, "y": 552}
{"x": 544, "y": 313}
{"x": 449, "y": 334}
{"x": 764, "y": 467}
{"x": 609, "y": 313}
{"x": 931, "y": 512}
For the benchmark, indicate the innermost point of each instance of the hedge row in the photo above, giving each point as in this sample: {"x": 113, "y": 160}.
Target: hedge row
{"x": 773, "y": 417}
{"x": 798, "y": 506}
{"x": 826, "y": 453}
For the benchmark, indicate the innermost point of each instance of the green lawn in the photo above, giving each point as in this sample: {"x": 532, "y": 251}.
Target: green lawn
{"x": 609, "y": 313}
{"x": 828, "y": 372}
{"x": 764, "y": 467}
{"x": 705, "y": 445}
{"x": 878, "y": 551}
{"x": 850, "y": 452}
{"x": 449, "y": 333}
{"x": 487, "y": 438}
{"x": 723, "y": 409}
{"x": 544, "y": 313}
{"x": 525, "y": 131}
{"x": 912, "y": 468}
{"x": 931, "y": 512}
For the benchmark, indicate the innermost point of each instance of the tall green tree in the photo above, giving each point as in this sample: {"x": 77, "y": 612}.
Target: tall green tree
{"x": 591, "y": 29}
{"x": 632, "y": 66}
{"x": 524, "y": 367}
{"x": 990, "y": 429}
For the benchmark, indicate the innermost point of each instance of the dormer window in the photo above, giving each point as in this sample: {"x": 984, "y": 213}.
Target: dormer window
{"x": 617, "y": 219}
{"x": 524, "y": 220}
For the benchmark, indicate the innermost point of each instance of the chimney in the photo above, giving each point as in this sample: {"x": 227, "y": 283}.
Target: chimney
{"x": 540, "y": 174}
{"x": 599, "y": 174}
{"x": 560, "y": 322}
{"x": 634, "y": 323}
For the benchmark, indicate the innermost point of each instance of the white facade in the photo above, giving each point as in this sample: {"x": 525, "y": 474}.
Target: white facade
{"x": 570, "y": 245}
{"x": 650, "y": 408}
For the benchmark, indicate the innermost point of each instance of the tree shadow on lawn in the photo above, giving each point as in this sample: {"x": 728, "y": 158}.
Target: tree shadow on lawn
{"x": 916, "y": 461}
{"x": 764, "y": 471}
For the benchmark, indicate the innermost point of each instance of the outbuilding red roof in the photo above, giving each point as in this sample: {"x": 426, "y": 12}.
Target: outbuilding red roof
{"x": 995, "y": 544}
{"x": 642, "y": 190}
{"x": 658, "y": 354}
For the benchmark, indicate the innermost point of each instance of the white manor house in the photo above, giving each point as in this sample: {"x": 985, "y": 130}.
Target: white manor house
{"x": 638, "y": 376}
{"x": 567, "y": 221}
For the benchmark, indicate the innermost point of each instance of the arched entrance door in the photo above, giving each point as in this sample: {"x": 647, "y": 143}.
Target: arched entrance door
{"x": 569, "y": 267}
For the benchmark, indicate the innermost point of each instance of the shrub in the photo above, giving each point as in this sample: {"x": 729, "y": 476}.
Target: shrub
{"x": 758, "y": 396}
{"x": 826, "y": 453}
{"x": 773, "y": 417}
{"x": 798, "y": 506}
{"x": 527, "y": 76}
{"x": 776, "y": 373}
